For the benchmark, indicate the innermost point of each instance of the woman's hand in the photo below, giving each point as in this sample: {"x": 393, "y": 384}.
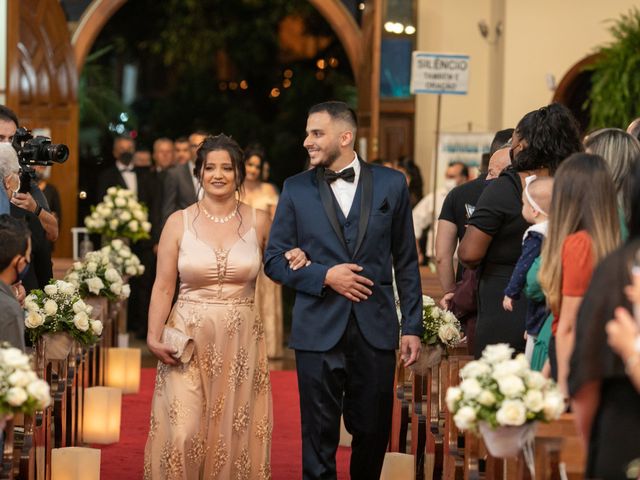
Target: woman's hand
{"x": 162, "y": 351}
{"x": 622, "y": 332}
{"x": 297, "y": 259}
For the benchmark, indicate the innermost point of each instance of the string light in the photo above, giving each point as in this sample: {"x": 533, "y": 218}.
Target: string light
{"x": 320, "y": 75}
{"x": 222, "y": 86}
{"x": 333, "y": 62}
{"x": 321, "y": 64}
{"x": 288, "y": 73}
{"x": 275, "y": 93}
{"x": 286, "y": 83}
{"x": 233, "y": 85}
{"x": 244, "y": 85}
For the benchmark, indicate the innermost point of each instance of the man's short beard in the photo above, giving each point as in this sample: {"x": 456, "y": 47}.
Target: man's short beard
{"x": 332, "y": 156}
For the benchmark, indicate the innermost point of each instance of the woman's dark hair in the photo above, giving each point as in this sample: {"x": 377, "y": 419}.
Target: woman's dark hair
{"x": 634, "y": 201}
{"x": 255, "y": 150}
{"x": 551, "y": 134}
{"x": 229, "y": 145}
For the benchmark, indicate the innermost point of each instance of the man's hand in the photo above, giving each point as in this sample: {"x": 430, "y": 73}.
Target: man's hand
{"x": 445, "y": 301}
{"x": 19, "y": 292}
{"x": 297, "y": 259}
{"x": 507, "y": 304}
{"x": 24, "y": 201}
{"x": 410, "y": 347}
{"x": 622, "y": 333}
{"x": 343, "y": 279}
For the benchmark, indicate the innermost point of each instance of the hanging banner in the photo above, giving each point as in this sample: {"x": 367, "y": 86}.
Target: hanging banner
{"x": 439, "y": 73}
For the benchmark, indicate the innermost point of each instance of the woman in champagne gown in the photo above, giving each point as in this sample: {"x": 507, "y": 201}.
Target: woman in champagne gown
{"x": 211, "y": 418}
{"x": 263, "y": 196}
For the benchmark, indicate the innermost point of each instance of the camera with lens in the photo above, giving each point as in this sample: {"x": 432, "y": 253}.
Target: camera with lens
{"x": 33, "y": 152}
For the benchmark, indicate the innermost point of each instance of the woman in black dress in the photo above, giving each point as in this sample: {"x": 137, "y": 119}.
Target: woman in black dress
{"x": 493, "y": 240}
{"x": 605, "y": 403}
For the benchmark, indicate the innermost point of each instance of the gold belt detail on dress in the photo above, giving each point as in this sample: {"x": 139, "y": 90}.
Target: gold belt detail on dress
{"x": 215, "y": 301}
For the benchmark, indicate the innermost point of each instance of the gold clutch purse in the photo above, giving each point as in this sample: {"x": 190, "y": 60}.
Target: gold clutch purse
{"x": 183, "y": 343}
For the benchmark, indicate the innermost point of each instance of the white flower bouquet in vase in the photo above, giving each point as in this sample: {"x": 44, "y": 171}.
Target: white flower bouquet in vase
{"x": 96, "y": 275}
{"x": 501, "y": 398}
{"x": 122, "y": 258}
{"x": 119, "y": 215}
{"x": 21, "y": 391}
{"x": 441, "y": 331}
{"x": 58, "y": 315}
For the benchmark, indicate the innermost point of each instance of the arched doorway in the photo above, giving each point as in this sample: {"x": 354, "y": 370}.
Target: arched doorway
{"x": 100, "y": 11}
{"x": 573, "y": 90}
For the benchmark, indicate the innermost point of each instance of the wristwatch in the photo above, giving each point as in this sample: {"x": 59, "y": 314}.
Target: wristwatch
{"x": 37, "y": 211}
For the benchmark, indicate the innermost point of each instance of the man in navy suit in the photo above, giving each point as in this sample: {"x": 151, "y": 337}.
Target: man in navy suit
{"x": 353, "y": 221}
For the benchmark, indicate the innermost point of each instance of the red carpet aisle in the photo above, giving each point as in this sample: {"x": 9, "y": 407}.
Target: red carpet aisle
{"x": 123, "y": 461}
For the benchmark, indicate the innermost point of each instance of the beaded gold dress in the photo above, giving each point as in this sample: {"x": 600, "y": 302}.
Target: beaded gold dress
{"x": 212, "y": 418}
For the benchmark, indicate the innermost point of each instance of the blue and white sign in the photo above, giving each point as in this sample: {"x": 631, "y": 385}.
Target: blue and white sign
{"x": 439, "y": 73}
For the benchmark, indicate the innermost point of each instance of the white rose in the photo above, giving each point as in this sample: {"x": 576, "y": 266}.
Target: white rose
{"x": 450, "y": 318}
{"x": 16, "y": 396}
{"x": 506, "y": 368}
{"x": 51, "y": 290}
{"x": 105, "y": 260}
{"x": 112, "y": 275}
{"x": 106, "y": 250}
{"x": 72, "y": 277}
{"x": 112, "y": 191}
{"x": 534, "y": 400}
{"x": 453, "y": 395}
{"x": 50, "y": 307}
{"x": 535, "y": 380}
{"x": 15, "y": 358}
{"x": 427, "y": 301}
{"x": 89, "y": 223}
{"x": 140, "y": 269}
{"x": 79, "y": 306}
{"x": 133, "y": 205}
{"x": 553, "y": 405}
{"x": 465, "y": 418}
{"x": 77, "y": 265}
{"x": 512, "y": 412}
{"x": 146, "y": 226}
{"x": 470, "y": 387}
{"x": 94, "y": 284}
{"x": 497, "y": 353}
{"x": 133, "y": 225}
{"x": 131, "y": 270}
{"x": 435, "y": 313}
{"x": 19, "y": 378}
{"x": 140, "y": 215}
{"x": 113, "y": 224}
{"x": 67, "y": 288}
{"x": 89, "y": 309}
{"x": 96, "y": 327}
{"x": 474, "y": 369}
{"x": 511, "y": 385}
{"x": 92, "y": 267}
{"x": 122, "y": 193}
{"x": 116, "y": 288}
{"x": 33, "y": 319}
{"x": 31, "y": 307}
{"x": 39, "y": 389}
{"x": 449, "y": 334}
{"x": 486, "y": 398}
{"x": 124, "y": 216}
{"x": 126, "y": 291}
{"x": 81, "y": 321}
{"x": 120, "y": 202}
{"x": 117, "y": 244}
{"x": 100, "y": 223}
{"x": 108, "y": 202}
{"x": 125, "y": 253}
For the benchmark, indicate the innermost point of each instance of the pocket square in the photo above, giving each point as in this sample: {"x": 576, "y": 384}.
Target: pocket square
{"x": 384, "y": 206}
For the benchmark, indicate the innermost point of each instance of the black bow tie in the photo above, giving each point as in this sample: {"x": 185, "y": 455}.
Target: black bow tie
{"x": 348, "y": 175}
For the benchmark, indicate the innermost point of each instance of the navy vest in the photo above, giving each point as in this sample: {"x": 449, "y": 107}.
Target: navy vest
{"x": 349, "y": 225}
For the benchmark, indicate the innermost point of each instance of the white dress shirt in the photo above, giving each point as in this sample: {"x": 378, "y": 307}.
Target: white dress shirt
{"x": 196, "y": 183}
{"x": 129, "y": 176}
{"x": 346, "y": 191}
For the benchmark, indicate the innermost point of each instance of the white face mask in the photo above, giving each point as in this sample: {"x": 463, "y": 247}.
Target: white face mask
{"x": 44, "y": 174}
{"x": 450, "y": 184}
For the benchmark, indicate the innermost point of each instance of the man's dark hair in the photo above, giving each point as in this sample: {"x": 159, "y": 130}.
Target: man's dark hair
{"x": 501, "y": 137}
{"x": 14, "y": 235}
{"x": 337, "y": 111}
{"x": 9, "y": 115}
{"x": 200, "y": 132}
{"x": 182, "y": 139}
{"x": 465, "y": 169}
{"x": 120, "y": 138}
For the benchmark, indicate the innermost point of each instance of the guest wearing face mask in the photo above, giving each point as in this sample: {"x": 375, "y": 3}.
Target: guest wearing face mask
{"x": 456, "y": 174}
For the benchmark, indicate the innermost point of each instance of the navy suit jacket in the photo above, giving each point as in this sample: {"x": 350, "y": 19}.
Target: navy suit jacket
{"x": 306, "y": 218}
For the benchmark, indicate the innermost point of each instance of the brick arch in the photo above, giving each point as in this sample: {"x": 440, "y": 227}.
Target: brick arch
{"x": 100, "y": 11}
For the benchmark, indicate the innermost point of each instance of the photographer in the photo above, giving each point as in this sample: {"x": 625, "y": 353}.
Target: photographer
{"x": 32, "y": 201}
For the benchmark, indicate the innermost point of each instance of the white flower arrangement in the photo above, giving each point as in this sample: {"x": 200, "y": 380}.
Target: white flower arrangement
{"x": 59, "y": 308}
{"x": 123, "y": 259}
{"x": 96, "y": 275}
{"x": 502, "y": 391}
{"x": 21, "y": 391}
{"x": 440, "y": 326}
{"x": 120, "y": 214}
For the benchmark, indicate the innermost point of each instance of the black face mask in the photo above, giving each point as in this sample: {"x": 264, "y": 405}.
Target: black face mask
{"x": 23, "y": 273}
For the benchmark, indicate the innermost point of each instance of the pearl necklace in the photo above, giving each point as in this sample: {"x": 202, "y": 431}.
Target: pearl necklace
{"x": 215, "y": 219}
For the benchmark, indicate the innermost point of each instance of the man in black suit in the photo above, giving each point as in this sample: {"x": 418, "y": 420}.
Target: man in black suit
{"x": 124, "y": 174}
{"x": 180, "y": 184}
